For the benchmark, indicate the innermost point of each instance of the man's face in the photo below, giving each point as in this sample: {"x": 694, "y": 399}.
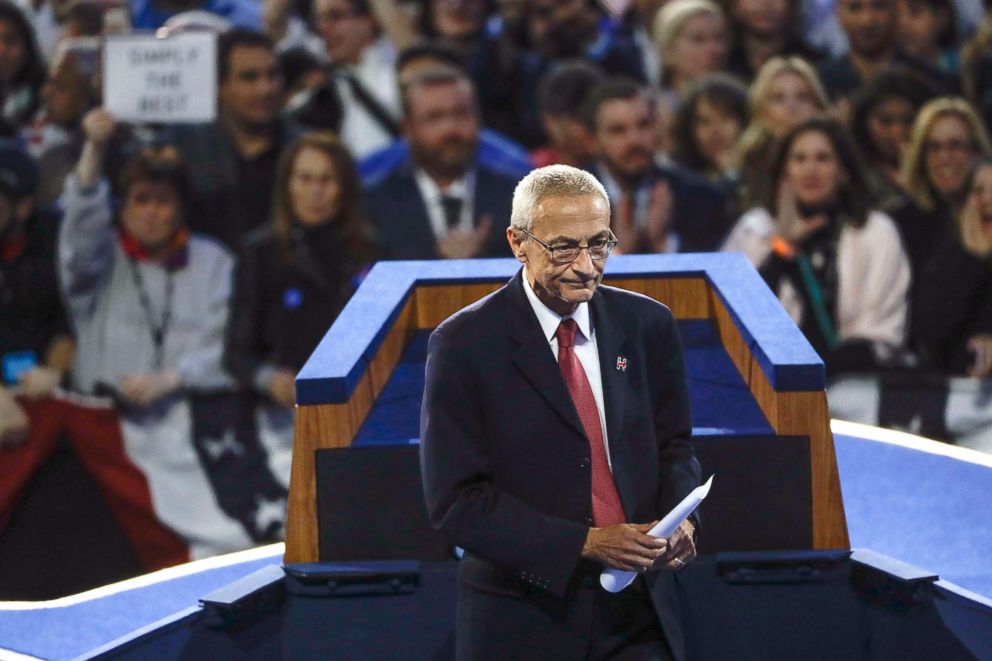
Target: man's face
{"x": 442, "y": 127}
{"x": 345, "y": 33}
{"x": 250, "y": 93}
{"x": 559, "y": 221}
{"x": 870, "y": 25}
{"x": 626, "y": 136}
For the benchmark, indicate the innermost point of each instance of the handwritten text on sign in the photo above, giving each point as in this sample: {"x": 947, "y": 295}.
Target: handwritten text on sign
{"x": 162, "y": 80}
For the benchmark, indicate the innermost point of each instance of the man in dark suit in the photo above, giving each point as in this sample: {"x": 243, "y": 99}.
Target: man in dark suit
{"x": 555, "y": 429}
{"x": 657, "y": 207}
{"x": 442, "y": 202}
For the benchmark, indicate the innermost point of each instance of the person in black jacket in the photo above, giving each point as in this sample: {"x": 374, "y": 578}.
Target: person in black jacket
{"x": 952, "y": 319}
{"x": 296, "y": 274}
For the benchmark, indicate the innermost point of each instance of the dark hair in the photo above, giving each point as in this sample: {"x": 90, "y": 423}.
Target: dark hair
{"x": 948, "y": 37}
{"x": 296, "y": 63}
{"x": 238, "y": 38}
{"x": 350, "y": 217}
{"x": 611, "y": 90}
{"x": 893, "y": 83}
{"x": 32, "y": 72}
{"x": 434, "y": 77}
{"x": 427, "y": 26}
{"x": 723, "y": 91}
{"x": 430, "y": 50}
{"x": 88, "y": 17}
{"x": 322, "y": 110}
{"x": 360, "y": 7}
{"x": 853, "y": 199}
{"x": 161, "y": 164}
{"x": 564, "y": 89}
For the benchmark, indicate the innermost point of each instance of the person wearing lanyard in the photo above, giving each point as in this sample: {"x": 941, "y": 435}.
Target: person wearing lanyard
{"x": 149, "y": 301}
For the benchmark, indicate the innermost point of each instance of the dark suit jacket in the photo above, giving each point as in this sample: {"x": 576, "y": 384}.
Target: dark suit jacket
{"x": 396, "y": 209}
{"x": 702, "y": 211}
{"x": 507, "y": 472}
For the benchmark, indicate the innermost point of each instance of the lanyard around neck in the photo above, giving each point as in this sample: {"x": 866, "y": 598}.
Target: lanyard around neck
{"x": 160, "y": 328}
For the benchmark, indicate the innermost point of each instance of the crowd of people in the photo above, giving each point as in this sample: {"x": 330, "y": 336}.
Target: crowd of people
{"x": 842, "y": 146}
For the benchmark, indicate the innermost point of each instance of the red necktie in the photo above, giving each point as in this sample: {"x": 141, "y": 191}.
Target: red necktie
{"x": 606, "y": 507}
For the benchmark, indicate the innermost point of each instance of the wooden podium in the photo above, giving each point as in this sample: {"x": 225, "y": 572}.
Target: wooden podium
{"x": 757, "y": 387}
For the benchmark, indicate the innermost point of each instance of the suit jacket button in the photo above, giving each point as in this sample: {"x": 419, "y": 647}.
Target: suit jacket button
{"x": 584, "y": 463}
{"x": 588, "y": 520}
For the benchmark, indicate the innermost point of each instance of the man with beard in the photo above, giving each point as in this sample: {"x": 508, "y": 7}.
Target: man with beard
{"x": 232, "y": 161}
{"x": 870, "y": 26}
{"x": 656, "y": 207}
{"x": 441, "y": 202}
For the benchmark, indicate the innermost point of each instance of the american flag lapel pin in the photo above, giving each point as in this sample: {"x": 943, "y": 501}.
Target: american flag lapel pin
{"x": 621, "y": 364}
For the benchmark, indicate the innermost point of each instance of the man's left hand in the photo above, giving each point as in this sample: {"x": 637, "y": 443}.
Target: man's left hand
{"x": 681, "y": 548}
{"x": 464, "y": 244}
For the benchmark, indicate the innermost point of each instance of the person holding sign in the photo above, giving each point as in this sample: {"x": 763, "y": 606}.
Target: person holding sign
{"x": 149, "y": 302}
{"x": 555, "y": 431}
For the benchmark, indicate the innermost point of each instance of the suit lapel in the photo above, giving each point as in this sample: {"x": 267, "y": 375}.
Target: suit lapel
{"x": 534, "y": 357}
{"x": 610, "y": 339}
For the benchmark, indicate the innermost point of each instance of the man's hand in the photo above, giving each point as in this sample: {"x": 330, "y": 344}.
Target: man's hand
{"x": 623, "y": 225}
{"x": 626, "y": 546}
{"x": 143, "y": 389}
{"x": 657, "y": 218}
{"x": 14, "y": 424}
{"x": 462, "y": 244}
{"x": 681, "y": 549}
{"x": 981, "y": 347}
{"x": 39, "y": 382}
{"x": 282, "y": 388}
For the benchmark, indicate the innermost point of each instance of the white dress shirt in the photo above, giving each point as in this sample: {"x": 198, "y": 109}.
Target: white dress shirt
{"x": 586, "y": 349}
{"x": 360, "y": 131}
{"x": 431, "y": 193}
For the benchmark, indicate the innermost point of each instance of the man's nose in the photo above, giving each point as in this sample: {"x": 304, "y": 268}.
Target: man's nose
{"x": 583, "y": 263}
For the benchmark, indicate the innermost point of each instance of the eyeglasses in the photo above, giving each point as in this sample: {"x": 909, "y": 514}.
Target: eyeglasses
{"x": 566, "y": 253}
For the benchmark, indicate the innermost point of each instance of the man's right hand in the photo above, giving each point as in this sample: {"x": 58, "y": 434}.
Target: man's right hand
{"x": 625, "y": 546}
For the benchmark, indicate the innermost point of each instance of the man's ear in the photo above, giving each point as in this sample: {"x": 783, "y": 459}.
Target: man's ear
{"x": 516, "y": 245}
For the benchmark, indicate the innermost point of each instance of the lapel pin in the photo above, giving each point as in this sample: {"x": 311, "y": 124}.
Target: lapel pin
{"x": 621, "y": 364}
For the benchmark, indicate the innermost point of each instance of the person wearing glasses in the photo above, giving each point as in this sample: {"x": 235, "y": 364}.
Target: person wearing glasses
{"x": 555, "y": 431}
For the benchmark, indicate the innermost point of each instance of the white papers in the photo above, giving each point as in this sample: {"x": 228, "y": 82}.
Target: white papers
{"x": 615, "y": 580}
{"x": 147, "y": 79}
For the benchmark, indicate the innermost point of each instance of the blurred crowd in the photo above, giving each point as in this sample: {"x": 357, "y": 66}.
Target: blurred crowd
{"x": 841, "y": 145}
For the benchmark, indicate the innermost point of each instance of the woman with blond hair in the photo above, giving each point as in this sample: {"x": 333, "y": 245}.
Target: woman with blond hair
{"x": 952, "y": 318}
{"x": 785, "y": 93}
{"x": 946, "y": 139}
{"x": 293, "y": 278}
{"x": 691, "y": 37}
